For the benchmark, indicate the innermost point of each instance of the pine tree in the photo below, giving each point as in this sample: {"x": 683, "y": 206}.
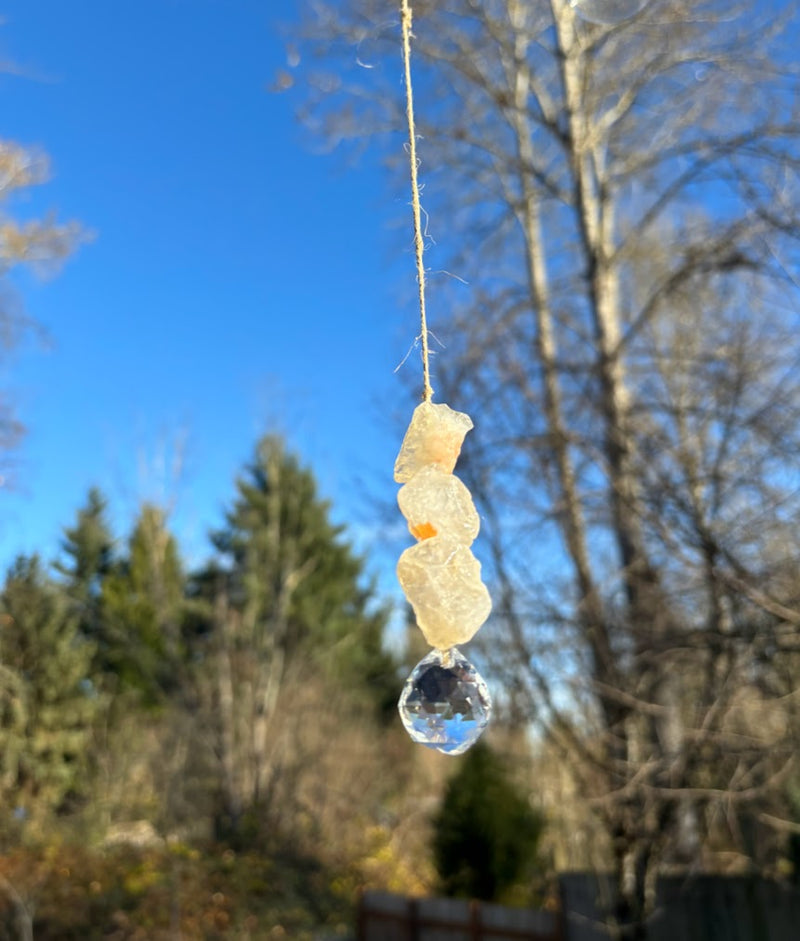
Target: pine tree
{"x": 289, "y": 607}
{"x": 130, "y": 606}
{"x": 48, "y": 698}
{"x": 486, "y": 834}
{"x": 143, "y": 605}
{"x": 88, "y": 549}
{"x": 295, "y": 581}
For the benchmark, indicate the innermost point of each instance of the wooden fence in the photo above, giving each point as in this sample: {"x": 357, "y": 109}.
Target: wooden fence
{"x": 690, "y": 908}
{"x": 725, "y": 909}
{"x": 698, "y": 908}
{"x": 386, "y": 917}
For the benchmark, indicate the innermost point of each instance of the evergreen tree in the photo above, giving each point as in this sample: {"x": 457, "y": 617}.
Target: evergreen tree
{"x": 48, "y": 698}
{"x": 294, "y": 579}
{"x": 486, "y": 834}
{"x": 130, "y": 606}
{"x": 143, "y": 609}
{"x": 88, "y": 549}
{"x": 289, "y": 609}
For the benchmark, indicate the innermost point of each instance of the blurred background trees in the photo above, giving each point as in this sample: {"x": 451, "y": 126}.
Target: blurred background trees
{"x": 240, "y": 707}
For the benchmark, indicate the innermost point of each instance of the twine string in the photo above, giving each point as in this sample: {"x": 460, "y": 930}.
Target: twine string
{"x": 419, "y": 245}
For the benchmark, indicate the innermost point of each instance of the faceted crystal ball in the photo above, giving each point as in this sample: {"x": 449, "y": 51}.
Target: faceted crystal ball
{"x": 445, "y": 703}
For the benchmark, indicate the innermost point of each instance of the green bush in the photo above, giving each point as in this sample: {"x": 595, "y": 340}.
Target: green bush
{"x": 486, "y": 835}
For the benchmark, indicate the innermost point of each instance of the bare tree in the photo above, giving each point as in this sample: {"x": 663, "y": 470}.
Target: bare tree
{"x": 38, "y": 244}
{"x": 624, "y": 201}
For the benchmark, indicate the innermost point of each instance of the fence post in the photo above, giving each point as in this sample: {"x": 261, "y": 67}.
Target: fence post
{"x": 475, "y": 921}
{"x": 361, "y": 918}
{"x": 413, "y": 920}
{"x": 561, "y": 923}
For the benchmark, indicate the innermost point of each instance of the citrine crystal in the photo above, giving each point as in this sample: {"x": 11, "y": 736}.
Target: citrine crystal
{"x": 434, "y": 436}
{"x": 445, "y": 703}
{"x": 442, "y": 581}
{"x": 437, "y": 503}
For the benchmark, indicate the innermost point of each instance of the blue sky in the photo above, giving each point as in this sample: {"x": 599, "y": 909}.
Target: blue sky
{"x": 237, "y": 281}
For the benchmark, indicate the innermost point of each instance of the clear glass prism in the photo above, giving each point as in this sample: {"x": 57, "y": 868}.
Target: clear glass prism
{"x": 445, "y": 703}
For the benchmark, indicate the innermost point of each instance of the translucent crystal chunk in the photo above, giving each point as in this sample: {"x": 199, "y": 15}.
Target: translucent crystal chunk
{"x": 445, "y": 703}
{"x": 442, "y": 581}
{"x": 434, "y": 436}
{"x": 437, "y": 503}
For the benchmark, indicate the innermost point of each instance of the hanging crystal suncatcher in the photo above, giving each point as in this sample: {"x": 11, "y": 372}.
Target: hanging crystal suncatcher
{"x": 445, "y": 703}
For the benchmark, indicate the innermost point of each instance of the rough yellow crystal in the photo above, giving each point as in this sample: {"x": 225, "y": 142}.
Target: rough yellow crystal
{"x": 434, "y": 436}
{"x": 436, "y": 503}
{"x": 442, "y": 580}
